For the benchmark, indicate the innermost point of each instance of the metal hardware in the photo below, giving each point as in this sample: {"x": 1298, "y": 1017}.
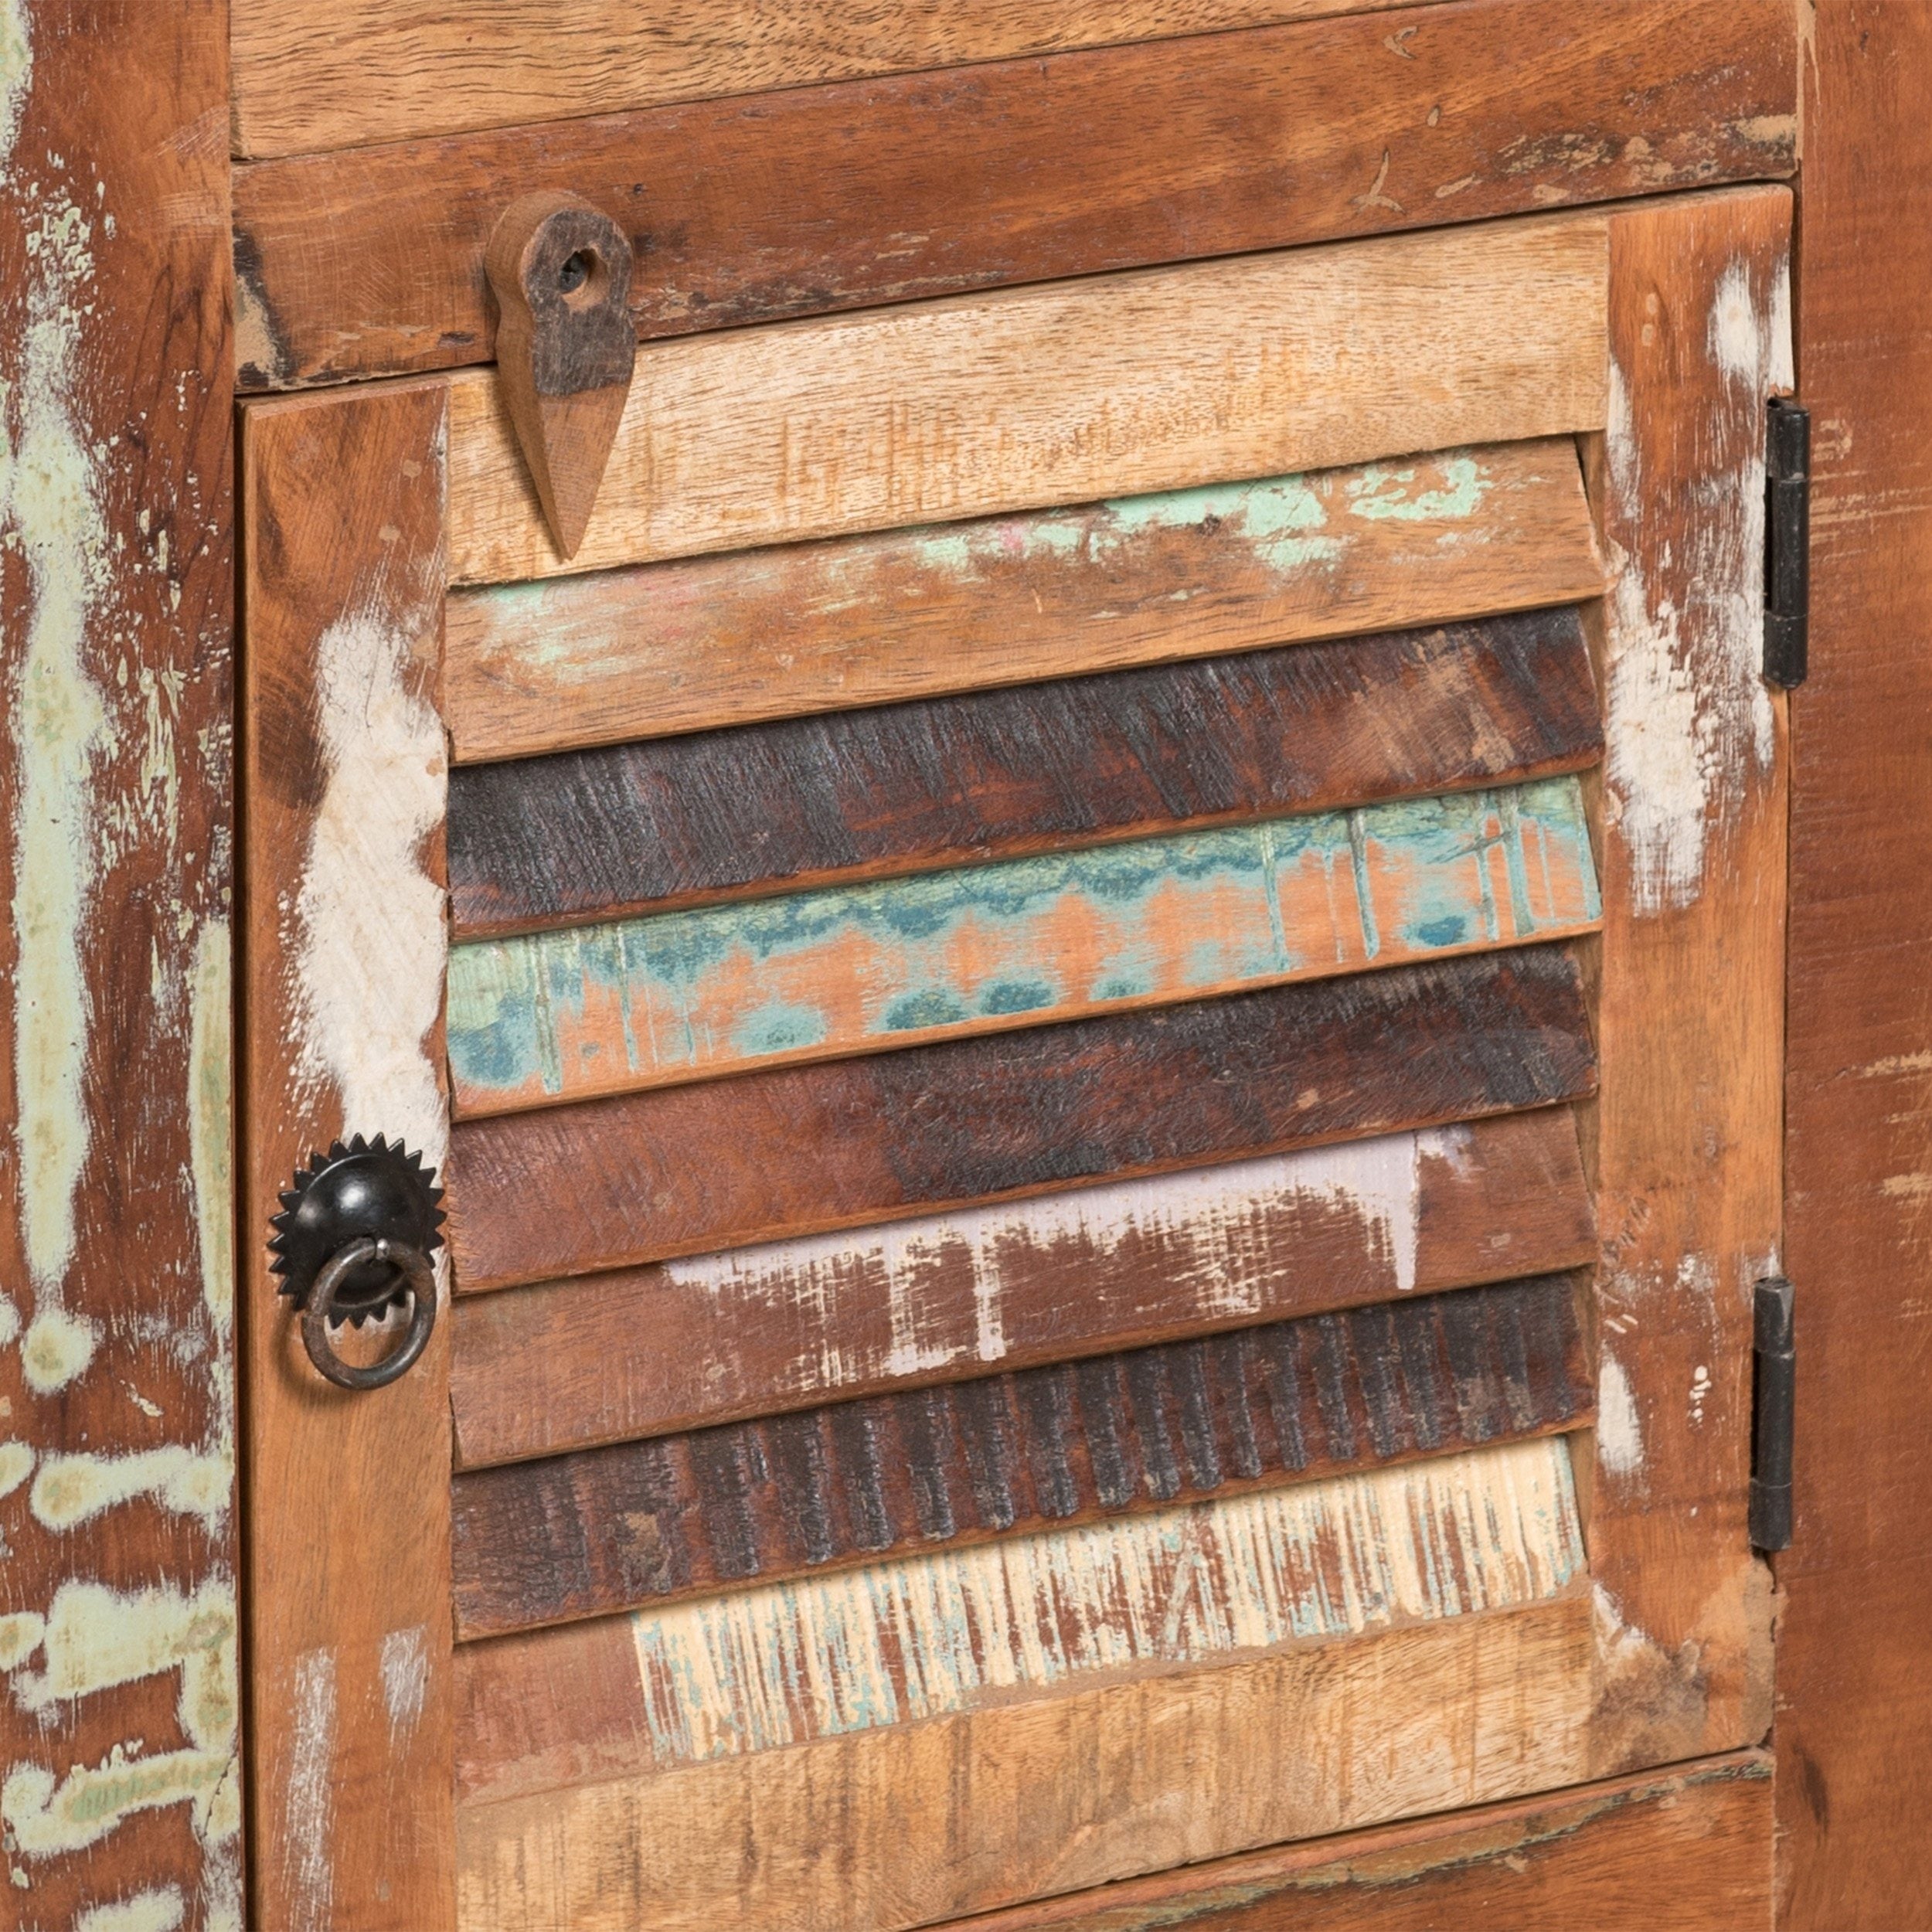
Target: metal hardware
{"x": 1772, "y": 1401}
{"x": 357, "y": 1228}
{"x": 418, "y": 1275}
{"x": 1788, "y": 543}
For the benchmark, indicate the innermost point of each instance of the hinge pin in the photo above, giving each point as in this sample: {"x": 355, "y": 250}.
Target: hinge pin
{"x": 1788, "y": 543}
{"x": 1772, "y": 1402}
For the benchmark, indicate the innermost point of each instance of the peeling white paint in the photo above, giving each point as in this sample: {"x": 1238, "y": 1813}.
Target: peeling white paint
{"x": 307, "y": 1829}
{"x": 9, "y": 1322}
{"x": 58, "y": 1348}
{"x": 70, "y": 1489}
{"x": 405, "y": 1680}
{"x": 210, "y": 1114}
{"x": 1700, "y": 1389}
{"x": 369, "y": 952}
{"x": 16, "y": 1464}
{"x": 759, "y": 1669}
{"x": 1619, "y": 1436}
{"x": 161, "y": 1910}
{"x": 20, "y": 1635}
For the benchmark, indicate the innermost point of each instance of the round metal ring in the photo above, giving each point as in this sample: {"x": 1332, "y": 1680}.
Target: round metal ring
{"x": 419, "y": 1275}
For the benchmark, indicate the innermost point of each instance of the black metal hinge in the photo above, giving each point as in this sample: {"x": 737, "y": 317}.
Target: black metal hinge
{"x": 1787, "y": 542}
{"x": 1772, "y": 1399}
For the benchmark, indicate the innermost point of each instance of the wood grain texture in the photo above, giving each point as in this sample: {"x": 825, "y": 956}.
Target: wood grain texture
{"x": 798, "y": 1151}
{"x": 120, "y": 1767}
{"x": 811, "y": 976}
{"x": 681, "y": 821}
{"x": 1162, "y": 379}
{"x": 692, "y": 645}
{"x": 371, "y": 262}
{"x": 1854, "y": 1694}
{"x": 343, "y": 504}
{"x": 1690, "y": 1003}
{"x": 343, "y": 76}
{"x": 648, "y": 1351}
{"x": 1476, "y": 1672}
{"x": 644, "y": 1522}
{"x": 1679, "y": 1852}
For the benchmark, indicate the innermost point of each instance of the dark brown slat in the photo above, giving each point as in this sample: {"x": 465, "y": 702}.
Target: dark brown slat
{"x": 674, "y": 821}
{"x": 369, "y": 261}
{"x": 645, "y": 1352}
{"x": 570, "y": 1190}
{"x": 583, "y": 1535}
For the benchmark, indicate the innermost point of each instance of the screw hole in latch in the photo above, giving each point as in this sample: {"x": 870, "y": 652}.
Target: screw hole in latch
{"x": 353, "y": 1241}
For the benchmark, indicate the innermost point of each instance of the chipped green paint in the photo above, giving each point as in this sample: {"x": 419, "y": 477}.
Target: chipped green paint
{"x": 94, "y": 1638}
{"x": 679, "y": 995}
{"x": 1381, "y": 493}
{"x": 759, "y": 1669}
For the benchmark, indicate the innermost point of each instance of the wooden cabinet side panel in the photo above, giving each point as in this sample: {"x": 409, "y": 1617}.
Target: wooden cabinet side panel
{"x": 345, "y": 769}
{"x": 119, "y": 1776}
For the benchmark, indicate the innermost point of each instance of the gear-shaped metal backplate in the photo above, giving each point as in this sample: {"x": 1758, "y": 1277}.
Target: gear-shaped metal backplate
{"x": 375, "y": 1188}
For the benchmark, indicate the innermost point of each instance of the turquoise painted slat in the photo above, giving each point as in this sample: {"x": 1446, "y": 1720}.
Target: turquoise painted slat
{"x": 684, "y": 996}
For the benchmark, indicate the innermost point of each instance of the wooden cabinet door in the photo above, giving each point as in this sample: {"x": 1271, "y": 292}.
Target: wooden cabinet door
{"x": 1099, "y": 992}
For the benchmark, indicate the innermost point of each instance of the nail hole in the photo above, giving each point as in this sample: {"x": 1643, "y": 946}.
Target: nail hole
{"x": 576, "y": 271}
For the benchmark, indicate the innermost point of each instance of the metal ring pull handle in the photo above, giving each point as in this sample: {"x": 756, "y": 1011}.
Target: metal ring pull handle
{"x": 419, "y": 1283}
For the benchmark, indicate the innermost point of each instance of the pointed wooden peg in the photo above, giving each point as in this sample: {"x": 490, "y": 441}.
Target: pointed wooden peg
{"x": 560, "y": 271}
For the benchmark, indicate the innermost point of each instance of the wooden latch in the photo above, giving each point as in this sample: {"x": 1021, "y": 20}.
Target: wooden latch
{"x": 560, "y": 271}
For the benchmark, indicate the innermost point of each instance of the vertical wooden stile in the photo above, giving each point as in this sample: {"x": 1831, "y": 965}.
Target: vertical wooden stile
{"x": 348, "y": 1494}
{"x": 1692, "y": 858}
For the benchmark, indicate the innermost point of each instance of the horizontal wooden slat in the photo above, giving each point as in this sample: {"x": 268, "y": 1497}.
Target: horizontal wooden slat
{"x": 994, "y": 775}
{"x": 1098, "y": 1689}
{"x": 569, "y": 661}
{"x": 342, "y": 73}
{"x": 604, "y": 1530}
{"x": 1682, "y": 1851}
{"x": 569, "y": 1190}
{"x": 813, "y": 976}
{"x": 645, "y": 1352}
{"x": 370, "y": 263}
{"x": 1165, "y": 378}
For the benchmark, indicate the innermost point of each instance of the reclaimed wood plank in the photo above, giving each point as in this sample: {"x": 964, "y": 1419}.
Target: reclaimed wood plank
{"x": 1676, "y": 1852}
{"x": 370, "y": 262}
{"x": 120, "y": 1539}
{"x": 1690, "y": 1005}
{"x": 347, "y": 74}
{"x": 646, "y": 1352}
{"x": 691, "y": 645}
{"x": 677, "y": 996}
{"x": 1854, "y": 1734}
{"x": 344, "y": 764}
{"x": 1159, "y": 379}
{"x": 797, "y": 1151}
{"x": 683, "y": 1515}
{"x": 1254, "y": 1637}
{"x": 681, "y": 821}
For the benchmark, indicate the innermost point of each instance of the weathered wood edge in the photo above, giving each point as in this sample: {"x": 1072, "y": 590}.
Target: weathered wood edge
{"x": 120, "y": 1768}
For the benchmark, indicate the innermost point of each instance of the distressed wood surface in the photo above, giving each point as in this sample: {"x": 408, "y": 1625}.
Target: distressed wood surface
{"x": 1114, "y": 385}
{"x": 1682, "y": 1851}
{"x": 1854, "y": 1734}
{"x": 342, "y": 862}
{"x": 605, "y": 1529}
{"x": 120, "y": 1772}
{"x": 691, "y": 645}
{"x": 370, "y": 262}
{"x": 1045, "y": 1663}
{"x": 597, "y": 834}
{"x": 680, "y": 996}
{"x": 648, "y": 1351}
{"x": 1690, "y": 1009}
{"x": 569, "y": 1190}
{"x": 345, "y": 74}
